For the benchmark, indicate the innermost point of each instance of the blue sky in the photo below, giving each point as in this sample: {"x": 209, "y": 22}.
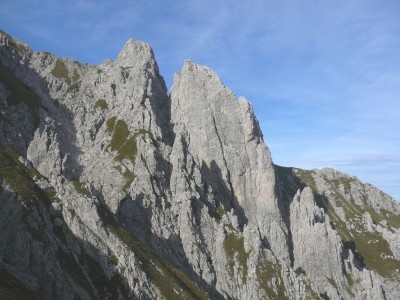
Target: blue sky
{"x": 323, "y": 76}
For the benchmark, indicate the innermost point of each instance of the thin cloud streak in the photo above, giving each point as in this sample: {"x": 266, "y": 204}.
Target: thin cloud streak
{"x": 324, "y": 77}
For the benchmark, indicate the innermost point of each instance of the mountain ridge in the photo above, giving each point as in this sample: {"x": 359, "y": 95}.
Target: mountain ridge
{"x": 123, "y": 191}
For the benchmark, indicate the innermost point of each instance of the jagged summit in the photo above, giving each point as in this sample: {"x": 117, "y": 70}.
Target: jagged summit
{"x": 11, "y": 42}
{"x": 112, "y": 189}
{"x": 189, "y": 67}
{"x": 135, "y": 52}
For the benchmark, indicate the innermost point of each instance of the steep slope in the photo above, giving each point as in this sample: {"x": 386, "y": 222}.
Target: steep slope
{"x": 230, "y": 185}
{"x": 365, "y": 222}
{"x": 78, "y": 143}
{"x": 111, "y": 188}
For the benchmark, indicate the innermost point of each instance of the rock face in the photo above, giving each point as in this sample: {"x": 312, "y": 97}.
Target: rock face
{"x": 113, "y": 189}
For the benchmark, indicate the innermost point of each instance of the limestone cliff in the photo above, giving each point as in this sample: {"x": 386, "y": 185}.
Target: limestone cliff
{"x": 113, "y": 189}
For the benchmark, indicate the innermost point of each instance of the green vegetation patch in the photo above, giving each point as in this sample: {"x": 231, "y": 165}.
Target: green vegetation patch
{"x": 392, "y": 219}
{"x": 119, "y": 136}
{"x": 73, "y": 87}
{"x": 305, "y": 177}
{"x": 369, "y": 248}
{"x": 268, "y": 275}
{"x": 111, "y": 124}
{"x": 171, "y": 282}
{"x": 16, "y": 46}
{"x": 113, "y": 260}
{"x": 332, "y": 282}
{"x": 341, "y": 181}
{"x": 75, "y": 75}
{"x": 60, "y": 71}
{"x": 129, "y": 177}
{"x": 234, "y": 249}
{"x": 310, "y": 294}
{"x": 123, "y": 141}
{"x": 19, "y": 178}
{"x": 81, "y": 189}
{"x": 265, "y": 273}
{"x": 376, "y": 252}
{"x": 217, "y": 214}
{"x": 52, "y": 195}
{"x": 125, "y": 144}
{"x": 101, "y": 104}
{"x": 128, "y": 149}
{"x": 350, "y": 284}
{"x": 72, "y": 212}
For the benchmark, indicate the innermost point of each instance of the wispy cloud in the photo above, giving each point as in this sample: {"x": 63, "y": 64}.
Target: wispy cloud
{"x": 324, "y": 77}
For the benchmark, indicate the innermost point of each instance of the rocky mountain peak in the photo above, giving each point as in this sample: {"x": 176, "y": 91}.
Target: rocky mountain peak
{"x": 198, "y": 72}
{"x": 112, "y": 189}
{"x": 203, "y": 89}
{"x": 9, "y": 41}
{"x": 135, "y": 52}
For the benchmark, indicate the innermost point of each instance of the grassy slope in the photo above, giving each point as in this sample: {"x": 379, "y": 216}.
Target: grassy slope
{"x": 370, "y": 248}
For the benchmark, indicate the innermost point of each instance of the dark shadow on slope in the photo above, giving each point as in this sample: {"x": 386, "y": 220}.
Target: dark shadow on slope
{"x": 160, "y": 105}
{"x": 155, "y": 263}
{"x": 165, "y": 168}
{"x": 289, "y": 183}
{"x": 67, "y": 265}
{"x": 61, "y": 264}
{"x": 160, "y": 180}
{"x": 40, "y": 106}
{"x": 136, "y": 217}
{"x": 222, "y": 193}
{"x": 11, "y": 287}
{"x": 358, "y": 258}
{"x": 324, "y": 296}
{"x": 71, "y": 265}
{"x": 35, "y": 241}
{"x": 19, "y": 106}
{"x": 287, "y": 186}
{"x": 135, "y": 214}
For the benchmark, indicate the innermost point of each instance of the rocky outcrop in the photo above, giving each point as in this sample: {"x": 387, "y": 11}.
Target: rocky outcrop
{"x": 113, "y": 189}
{"x": 225, "y": 141}
{"x": 342, "y": 244}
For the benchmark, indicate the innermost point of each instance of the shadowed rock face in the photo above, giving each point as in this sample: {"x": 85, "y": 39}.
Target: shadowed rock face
{"x": 111, "y": 188}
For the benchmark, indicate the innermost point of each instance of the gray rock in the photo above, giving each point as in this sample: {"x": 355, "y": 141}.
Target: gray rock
{"x": 142, "y": 195}
{"x": 58, "y": 222}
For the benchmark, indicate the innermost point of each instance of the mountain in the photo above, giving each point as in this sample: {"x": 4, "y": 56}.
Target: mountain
{"x": 113, "y": 189}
